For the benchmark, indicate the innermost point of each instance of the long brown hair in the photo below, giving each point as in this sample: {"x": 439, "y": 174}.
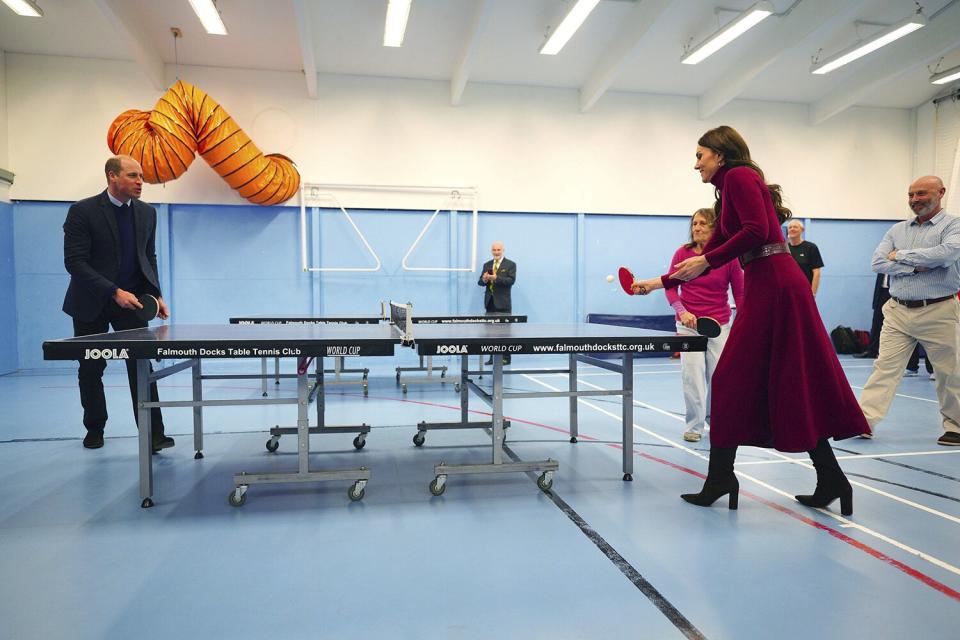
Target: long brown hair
{"x": 709, "y": 216}
{"x": 728, "y": 143}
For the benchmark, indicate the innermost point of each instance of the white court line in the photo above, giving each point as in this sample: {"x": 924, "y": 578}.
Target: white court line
{"x": 870, "y": 455}
{"x": 903, "y": 395}
{"x": 601, "y": 375}
{"x": 844, "y": 522}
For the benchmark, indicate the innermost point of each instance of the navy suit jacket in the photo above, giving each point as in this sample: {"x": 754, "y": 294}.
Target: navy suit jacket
{"x": 91, "y": 254}
{"x": 506, "y": 276}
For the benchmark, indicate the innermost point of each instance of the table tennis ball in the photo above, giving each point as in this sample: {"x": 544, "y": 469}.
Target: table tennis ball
{"x": 610, "y": 278}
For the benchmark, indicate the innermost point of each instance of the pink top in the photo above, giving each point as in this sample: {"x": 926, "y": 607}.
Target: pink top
{"x": 707, "y": 295}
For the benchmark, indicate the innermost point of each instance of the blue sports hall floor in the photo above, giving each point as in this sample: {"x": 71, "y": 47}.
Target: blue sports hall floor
{"x": 493, "y": 557}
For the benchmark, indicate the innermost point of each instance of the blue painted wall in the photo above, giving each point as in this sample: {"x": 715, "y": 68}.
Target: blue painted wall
{"x": 217, "y": 261}
{"x": 8, "y": 293}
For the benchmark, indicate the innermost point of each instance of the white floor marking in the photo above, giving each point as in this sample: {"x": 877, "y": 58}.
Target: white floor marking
{"x": 870, "y": 455}
{"x": 903, "y": 395}
{"x": 843, "y": 522}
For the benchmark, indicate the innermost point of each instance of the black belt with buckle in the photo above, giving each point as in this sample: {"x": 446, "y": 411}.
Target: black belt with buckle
{"x": 913, "y": 304}
{"x": 763, "y": 252}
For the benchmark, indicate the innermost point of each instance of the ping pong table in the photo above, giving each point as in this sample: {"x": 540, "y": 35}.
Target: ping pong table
{"x": 191, "y": 344}
{"x": 426, "y": 362}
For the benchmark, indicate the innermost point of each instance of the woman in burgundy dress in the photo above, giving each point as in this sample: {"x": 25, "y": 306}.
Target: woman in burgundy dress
{"x": 778, "y": 382}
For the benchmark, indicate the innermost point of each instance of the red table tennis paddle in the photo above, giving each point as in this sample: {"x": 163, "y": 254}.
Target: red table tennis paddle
{"x": 707, "y": 326}
{"x": 150, "y": 307}
{"x": 626, "y": 280}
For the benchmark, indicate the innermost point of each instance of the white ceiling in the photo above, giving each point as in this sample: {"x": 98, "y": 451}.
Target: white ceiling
{"x": 625, "y": 45}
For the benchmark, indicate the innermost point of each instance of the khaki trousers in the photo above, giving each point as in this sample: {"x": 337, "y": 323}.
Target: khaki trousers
{"x": 937, "y": 328}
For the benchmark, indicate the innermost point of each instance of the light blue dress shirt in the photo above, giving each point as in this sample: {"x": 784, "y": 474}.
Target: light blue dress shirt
{"x": 934, "y": 245}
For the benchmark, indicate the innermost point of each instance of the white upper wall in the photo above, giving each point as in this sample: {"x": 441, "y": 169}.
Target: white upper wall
{"x": 525, "y": 149}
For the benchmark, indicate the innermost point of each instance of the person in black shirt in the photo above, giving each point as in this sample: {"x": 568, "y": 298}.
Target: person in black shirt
{"x": 805, "y": 253}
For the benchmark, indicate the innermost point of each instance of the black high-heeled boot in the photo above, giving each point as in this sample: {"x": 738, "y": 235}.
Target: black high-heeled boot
{"x": 831, "y": 482}
{"x": 720, "y": 480}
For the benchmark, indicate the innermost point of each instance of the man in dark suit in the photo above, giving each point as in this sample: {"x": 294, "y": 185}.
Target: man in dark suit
{"x": 880, "y": 296}
{"x": 497, "y": 279}
{"x": 109, "y": 251}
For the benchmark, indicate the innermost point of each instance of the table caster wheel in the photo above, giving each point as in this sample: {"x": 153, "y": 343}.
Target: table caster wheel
{"x": 573, "y": 439}
{"x": 146, "y": 504}
{"x": 403, "y": 388}
{"x": 273, "y": 444}
{"x": 238, "y": 496}
{"x": 545, "y": 480}
{"x": 366, "y": 390}
{"x": 439, "y": 485}
{"x": 456, "y": 387}
{"x": 419, "y": 438}
{"x": 628, "y": 477}
{"x": 359, "y": 443}
{"x": 198, "y": 455}
{"x": 356, "y": 490}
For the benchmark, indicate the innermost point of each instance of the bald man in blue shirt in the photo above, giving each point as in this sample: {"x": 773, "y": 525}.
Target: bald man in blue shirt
{"x": 920, "y": 257}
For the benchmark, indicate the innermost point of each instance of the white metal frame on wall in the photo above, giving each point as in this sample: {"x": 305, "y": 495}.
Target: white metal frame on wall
{"x": 316, "y": 195}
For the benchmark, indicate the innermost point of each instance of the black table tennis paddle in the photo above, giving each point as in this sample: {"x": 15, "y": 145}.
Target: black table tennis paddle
{"x": 707, "y": 326}
{"x": 149, "y": 309}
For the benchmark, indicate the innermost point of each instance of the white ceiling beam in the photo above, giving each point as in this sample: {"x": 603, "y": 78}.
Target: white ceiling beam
{"x": 786, "y": 33}
{"x": 939, "y": 36}
{"x": 125, "y": 23}
{"x": 305, "y": 32}
{"x": 611, "y": 63}
{"x": 478, "y": 21}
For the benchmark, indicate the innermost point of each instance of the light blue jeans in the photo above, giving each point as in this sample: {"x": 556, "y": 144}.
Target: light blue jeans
{"x": 696, "y": 370}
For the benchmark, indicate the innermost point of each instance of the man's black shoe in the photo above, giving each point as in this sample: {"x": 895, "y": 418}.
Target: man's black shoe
{"x": 489, "y": 361}
{"x": 93, "y": 440}
{"x": 865, "y": 354}
{"x": 162, "y": 442}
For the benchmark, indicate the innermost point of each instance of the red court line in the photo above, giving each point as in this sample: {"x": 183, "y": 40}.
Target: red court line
{"x": 876, "y": 553}
{"x": 879, "y": 555}
{"x": 856, "y": 544}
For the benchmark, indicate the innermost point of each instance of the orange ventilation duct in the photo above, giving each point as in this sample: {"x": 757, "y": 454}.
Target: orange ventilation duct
{"x": 186, "y": 120}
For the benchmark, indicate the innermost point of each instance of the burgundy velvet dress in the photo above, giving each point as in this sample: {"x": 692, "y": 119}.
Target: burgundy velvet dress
{"x": 778, "y": 382}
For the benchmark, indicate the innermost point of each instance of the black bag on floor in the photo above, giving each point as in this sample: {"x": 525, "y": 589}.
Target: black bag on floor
{"x": 844, "y": 340}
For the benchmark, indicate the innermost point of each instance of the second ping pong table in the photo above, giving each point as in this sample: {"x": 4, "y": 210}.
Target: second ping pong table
{"x": 339, "y": 368}
{"x": 191, "y": 344}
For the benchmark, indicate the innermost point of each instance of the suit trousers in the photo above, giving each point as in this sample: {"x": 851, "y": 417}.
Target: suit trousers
{"x": 696, "y": 372}
{"x": 936, "y": 327}
{"x": 90, "y": 374}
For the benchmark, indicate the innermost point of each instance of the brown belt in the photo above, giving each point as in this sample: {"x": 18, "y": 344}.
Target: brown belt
{"x": 913, "y": 304}
{"x": 763, "y": 252}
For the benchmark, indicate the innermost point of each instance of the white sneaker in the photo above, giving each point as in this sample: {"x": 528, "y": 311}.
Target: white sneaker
{"x": 692, "y": 436}
{"x": 910, "y": 373}
{"x": 933, "y": 376}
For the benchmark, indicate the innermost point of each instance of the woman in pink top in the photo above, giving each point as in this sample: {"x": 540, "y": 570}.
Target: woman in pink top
{"x": 705, "y": 296}
{"x": 778, "y": 383}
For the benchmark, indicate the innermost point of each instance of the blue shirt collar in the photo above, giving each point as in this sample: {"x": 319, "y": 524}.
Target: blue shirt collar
{"x": 934, "y": 220}
{"x": 116, "y": 202}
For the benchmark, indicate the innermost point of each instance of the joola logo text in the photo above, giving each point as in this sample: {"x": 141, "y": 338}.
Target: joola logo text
{"x": 452, "y": 348}
{"x": 106, "y": 354}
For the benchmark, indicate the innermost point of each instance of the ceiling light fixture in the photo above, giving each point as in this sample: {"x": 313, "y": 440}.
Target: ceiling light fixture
{"x": 26, "y": 8}
{"x": 206, "y": 10}
{"x": 728, "y": 33}
{"x": 946, "y": 77}
{"x": 568, "y": 26}
{"x": 862, "y": 48}
{"x": 395, "y": 25}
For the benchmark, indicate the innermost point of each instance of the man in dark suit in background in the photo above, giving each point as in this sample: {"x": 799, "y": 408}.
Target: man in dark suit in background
{"x": 497, "y": 279}
{"x": 109, "y": 251}
{"x": 880, "y": 296}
